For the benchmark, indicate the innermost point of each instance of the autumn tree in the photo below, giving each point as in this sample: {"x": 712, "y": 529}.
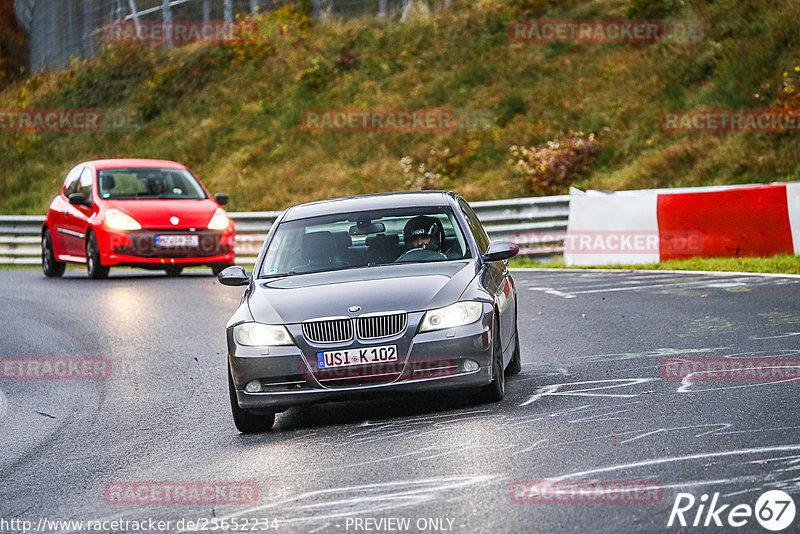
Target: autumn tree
{"x": 13, "y": 44}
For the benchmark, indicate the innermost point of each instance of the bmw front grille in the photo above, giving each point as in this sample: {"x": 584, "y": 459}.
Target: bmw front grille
{"x": 378, "y": 326}
{"x": 328, "y": 331}
{"x": 338, "y": 330}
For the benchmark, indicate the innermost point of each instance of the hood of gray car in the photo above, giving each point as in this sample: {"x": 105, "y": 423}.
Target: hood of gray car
{"x": 409, "y": 287}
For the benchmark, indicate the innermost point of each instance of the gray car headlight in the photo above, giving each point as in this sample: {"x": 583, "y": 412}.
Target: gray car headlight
{"x": 261, "y": 335}
{"x": 458, "y": 314}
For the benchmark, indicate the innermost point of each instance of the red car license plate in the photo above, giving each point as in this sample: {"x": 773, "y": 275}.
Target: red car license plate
{"x": 175, "y": 241}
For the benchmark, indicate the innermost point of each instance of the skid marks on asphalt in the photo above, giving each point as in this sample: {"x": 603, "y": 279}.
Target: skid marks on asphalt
{"x": 778, "y": 319}
{"x": 330, "y": 506}
{"x": 376, "y": 431}
{"x": 706, "y": 325}
{"x": 758, "y": 469}
{"x": 568, "y": 285}
{"x": 615, "y": 388}
{"x": 633, "y": 428}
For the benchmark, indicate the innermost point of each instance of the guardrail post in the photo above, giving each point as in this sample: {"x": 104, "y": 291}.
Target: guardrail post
{"x": 134, "y": 15}
{"x": 166, "y": 18}
{"x": 228, "y": 10}
{"x": 88, "y": 26}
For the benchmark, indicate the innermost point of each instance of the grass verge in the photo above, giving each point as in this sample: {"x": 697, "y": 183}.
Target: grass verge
{"x": 783, "y": 264}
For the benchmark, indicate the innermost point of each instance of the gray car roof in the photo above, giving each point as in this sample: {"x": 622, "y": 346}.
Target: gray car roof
{"x": 407, "y": 199}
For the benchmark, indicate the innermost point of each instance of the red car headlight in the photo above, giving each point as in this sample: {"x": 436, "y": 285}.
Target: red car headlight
{"x": 219, "y": 221}
{"x": 118, "y": 220}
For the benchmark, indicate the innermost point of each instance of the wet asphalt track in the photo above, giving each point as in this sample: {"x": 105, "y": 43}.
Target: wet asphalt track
{"x": 589, "y": 404}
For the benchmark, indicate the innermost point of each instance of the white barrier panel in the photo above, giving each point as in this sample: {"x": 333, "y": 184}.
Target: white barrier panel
{"x": 793, "y": 203}
{"x": 611, "y": 229}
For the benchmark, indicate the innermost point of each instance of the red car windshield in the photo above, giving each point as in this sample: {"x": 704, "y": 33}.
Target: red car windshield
{"x": 148, "y": 184}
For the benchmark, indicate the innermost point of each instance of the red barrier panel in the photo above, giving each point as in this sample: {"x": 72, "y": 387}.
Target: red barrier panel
{"x": 752, "y": 221}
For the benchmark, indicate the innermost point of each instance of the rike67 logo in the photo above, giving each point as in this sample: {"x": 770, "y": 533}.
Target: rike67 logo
{"x": 774, "y": 510}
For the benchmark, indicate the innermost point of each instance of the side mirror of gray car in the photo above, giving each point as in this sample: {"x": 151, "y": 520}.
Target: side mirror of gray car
{"x": 235, "y": 275}
{"x": 501, "y": 250}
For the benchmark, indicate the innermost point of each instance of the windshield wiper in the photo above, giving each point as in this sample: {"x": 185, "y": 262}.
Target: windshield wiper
{"x": 277, "y": 275}
{"x": 327, "y": 270}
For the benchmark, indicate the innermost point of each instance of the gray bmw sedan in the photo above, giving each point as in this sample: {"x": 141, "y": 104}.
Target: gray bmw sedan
{"x": 370, "y": 295}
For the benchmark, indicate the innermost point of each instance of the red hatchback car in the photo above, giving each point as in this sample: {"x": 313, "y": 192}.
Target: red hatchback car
{"x": 135, "y": 213}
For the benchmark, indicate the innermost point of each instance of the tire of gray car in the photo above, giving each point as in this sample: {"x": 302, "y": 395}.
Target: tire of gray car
{"x": 496, "y": 390}
{"x": 246, "y": 422}
{"x": 515, "y": 365}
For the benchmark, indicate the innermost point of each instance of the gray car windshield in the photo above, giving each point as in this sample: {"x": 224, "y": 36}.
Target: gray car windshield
{"x": 355, "y": 240}
{"x": 148, "y": 184}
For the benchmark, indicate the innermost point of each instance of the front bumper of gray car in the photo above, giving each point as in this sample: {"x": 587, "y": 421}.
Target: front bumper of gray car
{"x": 455, "y": 358}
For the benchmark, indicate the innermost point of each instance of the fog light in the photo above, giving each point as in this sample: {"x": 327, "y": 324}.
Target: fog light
{"x": 254, "y": 386}
{"x": 470, "y": 365}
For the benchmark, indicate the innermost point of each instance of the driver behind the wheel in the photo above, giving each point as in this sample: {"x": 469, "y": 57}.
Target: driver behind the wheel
{"x": 155, "y": 185}
{"x": 423, "y": 232}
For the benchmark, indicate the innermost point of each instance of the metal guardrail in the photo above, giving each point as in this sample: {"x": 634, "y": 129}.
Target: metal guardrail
{"x": 537, "y": 225}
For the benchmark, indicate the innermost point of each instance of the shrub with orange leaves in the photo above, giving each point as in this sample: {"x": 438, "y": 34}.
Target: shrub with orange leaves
{"x": 552, "y": 167}
{"x": 789, "y": 99}
{"x": 13, "y": 44}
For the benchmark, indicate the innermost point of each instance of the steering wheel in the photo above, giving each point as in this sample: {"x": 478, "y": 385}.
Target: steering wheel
{"x": 420, "y": 254}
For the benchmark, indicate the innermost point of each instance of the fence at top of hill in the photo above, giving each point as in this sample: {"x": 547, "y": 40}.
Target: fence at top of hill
{"x": 60, "y": 30}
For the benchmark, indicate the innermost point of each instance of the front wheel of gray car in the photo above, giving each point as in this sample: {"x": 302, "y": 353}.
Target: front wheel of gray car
{"x": 245, "y": 421}
{"x": 496, "y": 390}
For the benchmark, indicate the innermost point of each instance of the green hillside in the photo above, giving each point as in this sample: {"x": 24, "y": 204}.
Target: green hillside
{"x": 583, "y": 114}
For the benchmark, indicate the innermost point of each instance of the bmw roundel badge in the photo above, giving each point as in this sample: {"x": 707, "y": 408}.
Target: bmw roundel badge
{"x": 354, "y": 309}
